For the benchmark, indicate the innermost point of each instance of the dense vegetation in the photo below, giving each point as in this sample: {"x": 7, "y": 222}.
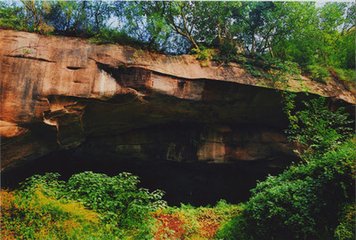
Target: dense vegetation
{"x": 312, "y": 199}
{"x": 320, "y": 39}
{"x": 95, "y": 206}
{"x": 304, "y": 202}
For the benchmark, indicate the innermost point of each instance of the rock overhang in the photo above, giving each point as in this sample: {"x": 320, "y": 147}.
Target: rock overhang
{"x": 86, "y": 92}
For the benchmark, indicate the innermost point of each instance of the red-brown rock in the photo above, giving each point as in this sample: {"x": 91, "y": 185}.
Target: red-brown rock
{"x": 60, "y": 92}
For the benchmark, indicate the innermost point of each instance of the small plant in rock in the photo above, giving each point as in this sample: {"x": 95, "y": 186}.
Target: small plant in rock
{"x": 26, "y": 51}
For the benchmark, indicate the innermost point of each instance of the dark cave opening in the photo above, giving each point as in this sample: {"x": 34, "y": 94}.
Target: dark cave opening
{"x": 195, "y": 183}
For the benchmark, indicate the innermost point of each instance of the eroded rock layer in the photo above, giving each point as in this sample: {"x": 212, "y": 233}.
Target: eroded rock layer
{"x": 60, "y": 93}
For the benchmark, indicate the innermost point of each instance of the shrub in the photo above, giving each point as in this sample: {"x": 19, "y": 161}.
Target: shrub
{"x": 117, "y": 198}
{"x": 274, "y": 69}
{"x": 187, "y": 222}
{"x": 204, "y": 55}
{"x": 348, "y": 75}
{"x": 107, "y": 35}
{"x": 286, "y": 67}
{"x": 96, "y": 206}
{"x": 318, "y": 73}
{"x": 318, "y": 129}
{"x": 227, "y": 53}
{"x": 11, "y": 18}
{"x": 253, "y": 70}
{"x": 38, "y": 216}
{"x": 346, "y": 229}
{"x": 44, "y": 28}
{"x": 301, "y": 203}
{"x": 89, "y": 200}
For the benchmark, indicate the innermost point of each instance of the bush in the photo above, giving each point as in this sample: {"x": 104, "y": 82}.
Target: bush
{"x": 227, "y": 52}
{"x": 96, "y": 206}
{"x": 318, "y": 73}
{"x": 204, "y": 55}
{"x": 306, "y": 200}
{"x": 38, "y": 216}
{"x": 11, "y": 17}
{"x": 91, "y": 201}
{"x": 346, "y": 229}
{"x": 274, "y": 69}
{"x": 287, "y": 67}
{"x": 302, "y": 203}
{"x": 117, "y": 198}
{"x": 187, "y": 222}
{"x": 107, "y": 35}
{"x": 317, "y": 129}
{"x": 348, "y": 75}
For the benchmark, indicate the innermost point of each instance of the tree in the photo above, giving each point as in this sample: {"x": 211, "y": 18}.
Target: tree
{"x": 11, "y": 16}
{"x": 78, "y": 17}
{"x": 145, "y": 21}
{"x": 35, "y": 11}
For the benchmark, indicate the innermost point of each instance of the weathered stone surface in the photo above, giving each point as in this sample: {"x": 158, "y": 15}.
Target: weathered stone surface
{"x": 59, "y": 92}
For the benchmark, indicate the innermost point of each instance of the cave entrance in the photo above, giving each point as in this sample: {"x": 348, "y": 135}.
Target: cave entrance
{"x": 194, "y": 183}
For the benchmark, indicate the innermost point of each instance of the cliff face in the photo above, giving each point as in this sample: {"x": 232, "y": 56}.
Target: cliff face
{"x": 60, "y": 93}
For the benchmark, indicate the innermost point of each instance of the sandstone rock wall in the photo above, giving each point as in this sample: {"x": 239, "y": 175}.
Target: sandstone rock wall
{"x": 60, "y": 92}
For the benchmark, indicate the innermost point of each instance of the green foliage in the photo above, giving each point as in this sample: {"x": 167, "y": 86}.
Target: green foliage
{"x": 286, "y": 67}
{"x": 121, "y": 206}
{"x": 276, "y": 70}
{"x": 96, "y": 206}
{"x": 307, "y": 200}
{"x": 301, "y": 203}
{"x": 11, "y": 17}
{"x": 145, "y": 22}
{"x": 117, "y": 198}
{"x": 227, "y": 52}
{"x": 106, "y": 36}
{"x": 48, "y": 183}
{"x": 188, "y": 222}
{"x": 348, "y": 75}
{"x": 319, "y": 73}
{"x": 254, "y": 71}
{"x": 231, "y": 230}
{"x": 35, "y": 215}
{"x": 203, "y": 54}
{"x": 346, "y": 229}
{"x": 317, "y": 129}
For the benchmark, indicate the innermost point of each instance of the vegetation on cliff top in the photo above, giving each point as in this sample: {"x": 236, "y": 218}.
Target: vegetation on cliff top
{"x": 320, "y": 39}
